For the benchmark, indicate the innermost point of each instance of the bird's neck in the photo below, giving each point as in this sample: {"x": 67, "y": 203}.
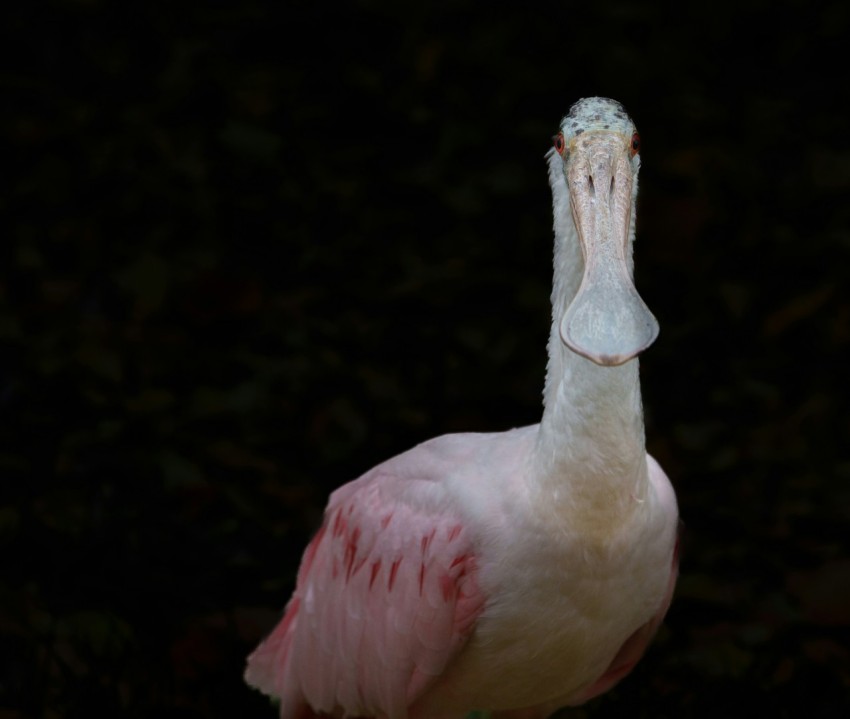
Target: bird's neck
{"x": 590, "y": 458}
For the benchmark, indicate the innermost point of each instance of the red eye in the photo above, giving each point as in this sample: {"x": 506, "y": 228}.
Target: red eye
{"x": 560, "y": 145}
{"x": 634, "y": 148}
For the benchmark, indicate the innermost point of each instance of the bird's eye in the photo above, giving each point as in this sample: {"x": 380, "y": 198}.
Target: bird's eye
{"x": 634, "y": 147}
{"x": 560, "y": 144}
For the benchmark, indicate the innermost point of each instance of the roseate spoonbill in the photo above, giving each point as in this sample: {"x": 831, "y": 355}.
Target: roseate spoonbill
{"x": 515, "y": 572}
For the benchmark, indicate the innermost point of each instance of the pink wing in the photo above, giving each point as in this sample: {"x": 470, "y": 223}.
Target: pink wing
{"x": 386, "y": 595}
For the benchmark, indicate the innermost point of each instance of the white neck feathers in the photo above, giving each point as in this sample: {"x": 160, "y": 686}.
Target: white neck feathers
{"x": 590, "y": 455}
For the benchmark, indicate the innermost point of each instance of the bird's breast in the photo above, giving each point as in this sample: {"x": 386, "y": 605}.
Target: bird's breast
{"x": 558, "y": 610}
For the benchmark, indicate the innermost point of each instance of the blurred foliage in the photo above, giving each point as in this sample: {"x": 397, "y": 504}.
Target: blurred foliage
{"x": 251, "y": 249}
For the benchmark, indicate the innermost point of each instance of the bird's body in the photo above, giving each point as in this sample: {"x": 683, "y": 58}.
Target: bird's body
{"x": 515, "y": 572}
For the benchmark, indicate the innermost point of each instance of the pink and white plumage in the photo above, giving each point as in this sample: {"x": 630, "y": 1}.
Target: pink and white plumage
{"x": 515, "y": 572}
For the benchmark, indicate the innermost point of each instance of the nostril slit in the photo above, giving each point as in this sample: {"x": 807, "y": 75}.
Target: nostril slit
{"x": 590, "y": 184}
{"x": 612, "y": 185}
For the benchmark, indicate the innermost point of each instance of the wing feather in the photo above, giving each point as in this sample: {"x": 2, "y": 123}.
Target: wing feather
{"x": 386, "y": 596}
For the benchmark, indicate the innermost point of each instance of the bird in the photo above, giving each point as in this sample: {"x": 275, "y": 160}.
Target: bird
{"x": 513, "y": 572}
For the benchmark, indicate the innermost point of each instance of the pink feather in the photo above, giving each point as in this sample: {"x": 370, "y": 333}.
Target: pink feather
{"x": 386, "y": 595}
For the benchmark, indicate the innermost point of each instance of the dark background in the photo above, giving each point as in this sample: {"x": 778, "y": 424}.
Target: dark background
{"x": 251, "y": 249}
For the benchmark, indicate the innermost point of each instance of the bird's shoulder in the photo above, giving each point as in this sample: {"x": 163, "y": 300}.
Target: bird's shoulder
{"x": 453, "y": 478}
{"x": 662, "y": 487}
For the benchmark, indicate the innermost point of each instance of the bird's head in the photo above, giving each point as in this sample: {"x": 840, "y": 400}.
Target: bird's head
{"x": 598, "y": 151}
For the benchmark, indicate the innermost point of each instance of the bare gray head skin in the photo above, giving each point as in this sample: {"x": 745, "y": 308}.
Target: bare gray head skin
{"x": 599, "y": 147}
